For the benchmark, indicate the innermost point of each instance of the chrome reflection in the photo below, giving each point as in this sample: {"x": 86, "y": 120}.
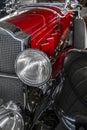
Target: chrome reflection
{"x": 10, "y": 117}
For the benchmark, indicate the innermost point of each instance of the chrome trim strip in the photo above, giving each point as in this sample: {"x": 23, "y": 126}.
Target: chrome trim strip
{"x": 8, "y": 76}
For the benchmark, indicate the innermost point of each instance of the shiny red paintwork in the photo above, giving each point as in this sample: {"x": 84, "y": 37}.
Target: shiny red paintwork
{"x": 47, "y": 26}
{"x": 39, "y": 23}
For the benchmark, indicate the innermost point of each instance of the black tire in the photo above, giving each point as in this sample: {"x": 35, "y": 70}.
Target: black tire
{"x": 79, "y": 33}
{"x": 75, "y": 73}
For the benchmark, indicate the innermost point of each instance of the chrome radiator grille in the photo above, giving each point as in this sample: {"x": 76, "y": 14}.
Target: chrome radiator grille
{"x": 12, "y": 42}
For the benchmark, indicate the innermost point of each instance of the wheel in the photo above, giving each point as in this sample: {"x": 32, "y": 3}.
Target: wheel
{"x": 73, "y": 97}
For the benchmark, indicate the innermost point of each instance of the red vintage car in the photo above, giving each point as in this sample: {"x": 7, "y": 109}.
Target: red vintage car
{"x": 41, "y": 46}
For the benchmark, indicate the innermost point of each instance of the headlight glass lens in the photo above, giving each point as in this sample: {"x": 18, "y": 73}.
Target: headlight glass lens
{"x": 33, "y": 67}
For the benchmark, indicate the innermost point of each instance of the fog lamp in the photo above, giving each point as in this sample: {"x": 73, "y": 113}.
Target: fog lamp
{"x": 33, "y": 67}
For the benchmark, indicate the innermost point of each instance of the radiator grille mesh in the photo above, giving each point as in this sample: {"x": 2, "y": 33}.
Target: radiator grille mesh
{"x": 11, "y": 90}
{"x": 9, "y": 49}
{"x": 12, "y": 41}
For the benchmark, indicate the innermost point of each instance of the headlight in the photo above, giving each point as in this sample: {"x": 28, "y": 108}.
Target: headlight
{"x": 33, "y": 67}
{"x": 10, "y": 117}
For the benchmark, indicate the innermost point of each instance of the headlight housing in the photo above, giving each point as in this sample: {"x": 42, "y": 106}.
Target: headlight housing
{"x": 33, "y": 67}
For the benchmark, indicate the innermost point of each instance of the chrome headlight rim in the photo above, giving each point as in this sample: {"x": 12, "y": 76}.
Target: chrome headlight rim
{"x": 46, "y": 58}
